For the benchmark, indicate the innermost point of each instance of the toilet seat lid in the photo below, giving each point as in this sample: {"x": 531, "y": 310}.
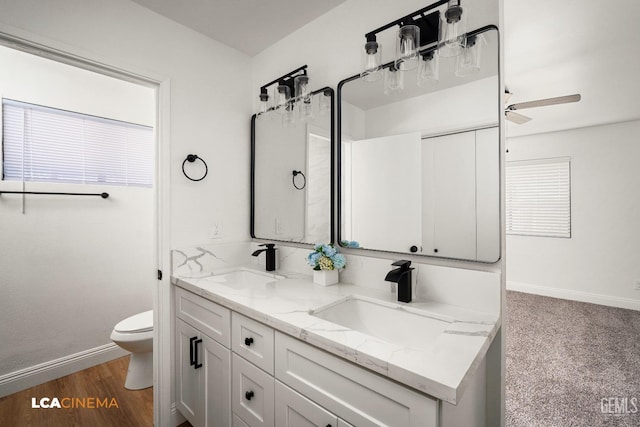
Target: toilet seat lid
{"x": 141, "y": 322}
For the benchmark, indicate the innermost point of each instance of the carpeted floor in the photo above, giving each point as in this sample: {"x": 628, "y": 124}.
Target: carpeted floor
{"x": 564, "y": 357}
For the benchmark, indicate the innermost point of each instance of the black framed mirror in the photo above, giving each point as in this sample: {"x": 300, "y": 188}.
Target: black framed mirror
{"x": 418, "y": 164}
{"x": 292, "y": 172}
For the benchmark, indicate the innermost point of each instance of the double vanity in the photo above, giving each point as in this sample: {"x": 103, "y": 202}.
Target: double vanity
{"x": 255, "y": 348}
{"x": 410, "y": 173}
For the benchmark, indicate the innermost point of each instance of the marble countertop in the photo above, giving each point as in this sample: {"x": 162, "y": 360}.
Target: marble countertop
{"x": 441, "y": 368}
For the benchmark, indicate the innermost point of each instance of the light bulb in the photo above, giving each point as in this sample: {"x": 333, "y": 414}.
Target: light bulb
{"x": 393, "y": 80}
{"x": 428, "y": 69}
{"x": 408, "y": 42}
{"x": 452, "y": 30}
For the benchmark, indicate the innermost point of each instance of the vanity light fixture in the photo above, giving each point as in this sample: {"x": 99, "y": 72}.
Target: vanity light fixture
{"x": 284, "y": 93}
{"x": 421, "y": 38}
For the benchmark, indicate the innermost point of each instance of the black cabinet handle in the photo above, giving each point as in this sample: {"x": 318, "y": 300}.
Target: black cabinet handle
{"x": 248, "y": 341}
{"x": 192, "y": 360}
{"x": 195, "y": 351}
{"x": 413, "y": 248}
{"x": 435, "y": 250}
{"x": 248, "y": 395}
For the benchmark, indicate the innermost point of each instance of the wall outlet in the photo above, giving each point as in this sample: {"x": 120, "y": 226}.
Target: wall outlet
{"x": 216, "y": 231}
{"x": 279, "y": 227}
{"x": 636, "y": 285}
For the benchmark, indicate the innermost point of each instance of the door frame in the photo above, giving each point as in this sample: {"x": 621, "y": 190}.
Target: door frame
{"x": 15, "y": 38}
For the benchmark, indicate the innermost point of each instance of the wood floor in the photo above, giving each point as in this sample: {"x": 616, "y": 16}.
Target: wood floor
{"x": 135, "y": 408}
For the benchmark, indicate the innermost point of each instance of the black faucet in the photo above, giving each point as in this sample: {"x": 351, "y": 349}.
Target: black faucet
{"x": 270, "y": 254}
{"x": 401, "y": 276}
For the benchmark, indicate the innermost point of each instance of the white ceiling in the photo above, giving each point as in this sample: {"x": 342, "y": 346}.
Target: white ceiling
{"x": 246, "y": 25}
{"x": 555, "y": 48}
{"x": 552, "y": 48}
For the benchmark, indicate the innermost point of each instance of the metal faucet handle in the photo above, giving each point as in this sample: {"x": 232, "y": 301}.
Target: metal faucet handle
{"x": 268, "y": 245}
{"x": 403, "y": 264}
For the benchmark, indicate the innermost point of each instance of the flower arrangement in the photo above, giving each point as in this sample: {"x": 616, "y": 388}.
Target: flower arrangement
{"x": 326, "y": 257}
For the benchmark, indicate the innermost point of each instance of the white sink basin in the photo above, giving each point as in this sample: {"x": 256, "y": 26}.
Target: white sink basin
{"x": 242, "y": 278}
{"x": 393, "y": 323}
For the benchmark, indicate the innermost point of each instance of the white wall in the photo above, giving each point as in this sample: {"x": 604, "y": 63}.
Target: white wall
{"x": 599, "y": 263}
{"x": 71, "y": 268}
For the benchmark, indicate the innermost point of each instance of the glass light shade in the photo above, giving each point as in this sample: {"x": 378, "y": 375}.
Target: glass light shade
{"x": 325, "y": 103}
{"x": 288, "y": 115}
{"x": 428, "y": 69}
{"x": 407, "y": 46}
{"x": 281, "y": 97}
{"x": 468, "y": 62}
{"x": 452, "y": 31}
{"x": 263, "y": 107}
{"x": 302, "y": 87}
{"x": 371, "y": 60}
{"x": 305, "y": 110}
{"x": 393, "y": 80}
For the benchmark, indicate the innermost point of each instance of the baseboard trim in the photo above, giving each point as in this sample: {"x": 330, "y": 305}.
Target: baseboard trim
{"x": 580, "y": 296}
{"x": 38, "y": 374}
{"x": 176, "y": 416}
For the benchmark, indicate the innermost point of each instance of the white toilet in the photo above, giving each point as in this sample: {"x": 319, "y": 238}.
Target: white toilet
{"x": 135, "y": 334}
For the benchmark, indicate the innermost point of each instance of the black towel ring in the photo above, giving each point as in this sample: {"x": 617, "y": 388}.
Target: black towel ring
{"x": 304, "y": 180}
{"x": 192, "y": 158}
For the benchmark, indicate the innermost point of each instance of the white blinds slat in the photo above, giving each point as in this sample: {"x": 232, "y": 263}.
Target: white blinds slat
{"x": 62, "y": 146}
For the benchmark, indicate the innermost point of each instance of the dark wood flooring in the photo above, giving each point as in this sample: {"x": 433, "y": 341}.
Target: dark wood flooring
{"x": 135, "y": 408}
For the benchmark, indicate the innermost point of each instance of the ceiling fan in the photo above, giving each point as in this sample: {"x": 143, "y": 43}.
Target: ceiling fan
{"x": 510, "y": 110}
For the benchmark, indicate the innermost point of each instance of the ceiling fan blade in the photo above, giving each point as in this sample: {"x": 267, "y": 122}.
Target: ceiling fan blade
{"x": 544, "y": 102}
{"x": 516, "y": 118}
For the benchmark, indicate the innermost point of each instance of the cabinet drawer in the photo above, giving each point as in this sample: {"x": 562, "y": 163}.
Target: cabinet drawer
{"x": 253, "y": 341}
{"x": 206, "y": 316}
{"x": 252, "y": 394}
{"x": 295, "y": 410}
{"x": 356, "y": 395}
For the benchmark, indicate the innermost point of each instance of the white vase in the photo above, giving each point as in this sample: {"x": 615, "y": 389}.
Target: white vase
{"x": 325, "y": 277}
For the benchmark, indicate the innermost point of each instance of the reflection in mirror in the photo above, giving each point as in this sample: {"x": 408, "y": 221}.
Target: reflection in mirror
{"x": 292, "y": 172}
{"x": 419, "y": 166}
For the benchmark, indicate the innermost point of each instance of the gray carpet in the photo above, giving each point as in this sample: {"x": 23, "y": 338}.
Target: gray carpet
{"x": 564, "y": 357}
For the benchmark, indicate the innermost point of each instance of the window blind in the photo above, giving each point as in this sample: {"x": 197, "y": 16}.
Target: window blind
{"x": 538, "y": 197}
{"x": 50, "y": 145}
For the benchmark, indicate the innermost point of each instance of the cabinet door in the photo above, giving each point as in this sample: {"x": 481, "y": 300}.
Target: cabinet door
{"x": 188, "y": 387}
{"x": 252, "y": 394}
{"x": 295, "y": 410}
{"x": 216, "y": 372}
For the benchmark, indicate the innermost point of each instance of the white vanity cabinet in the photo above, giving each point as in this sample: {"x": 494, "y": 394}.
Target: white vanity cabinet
{"x": 234, "y": 371}
{"x": 203, "y": 363}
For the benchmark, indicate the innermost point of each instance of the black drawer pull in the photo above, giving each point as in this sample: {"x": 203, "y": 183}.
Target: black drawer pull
{"x": 195, "y": 351}
{"x": 248, "y": 395}
{"x": 248, "y": 341}
{"x": 191, "y": 358}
